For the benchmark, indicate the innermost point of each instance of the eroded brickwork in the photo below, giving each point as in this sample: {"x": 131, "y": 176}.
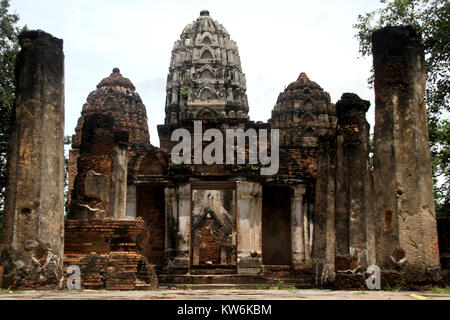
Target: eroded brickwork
{"x": 109, "y": 254}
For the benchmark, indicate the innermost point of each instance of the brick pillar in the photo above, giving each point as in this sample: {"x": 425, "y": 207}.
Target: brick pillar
{"x": 297, "y": 226}
{"x": 249, "y": 228}
{"x": 406, "y": 236}
{"x": 353, "y": 191}
{"x": 34, "y": 205}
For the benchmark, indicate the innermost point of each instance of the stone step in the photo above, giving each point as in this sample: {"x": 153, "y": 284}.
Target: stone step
{"x": 211, "y": 279}
{"x": 244, "y": 281}
{"x": 211, "y": 286}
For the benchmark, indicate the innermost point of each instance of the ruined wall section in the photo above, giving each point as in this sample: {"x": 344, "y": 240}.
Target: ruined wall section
{"x": 100, "y": 185}
{"x": 116, "y": 97}
{"x": 109, "y": 254}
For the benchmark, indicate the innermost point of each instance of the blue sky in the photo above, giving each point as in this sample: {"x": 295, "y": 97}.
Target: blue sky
{"x": 277, "y": 41}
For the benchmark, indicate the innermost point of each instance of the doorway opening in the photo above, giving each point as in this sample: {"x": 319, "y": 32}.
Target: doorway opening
{"x": 276, "y": 226}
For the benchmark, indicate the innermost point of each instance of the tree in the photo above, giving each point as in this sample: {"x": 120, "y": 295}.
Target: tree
{"x": 9, "y": 48}
{"x": 432, "y": 19}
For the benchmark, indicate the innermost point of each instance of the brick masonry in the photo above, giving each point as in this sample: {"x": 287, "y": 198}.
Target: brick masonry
{"x": 109, "y": 254}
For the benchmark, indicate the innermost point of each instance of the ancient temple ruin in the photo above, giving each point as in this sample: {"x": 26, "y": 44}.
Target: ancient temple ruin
{"x": 136, "y": 218}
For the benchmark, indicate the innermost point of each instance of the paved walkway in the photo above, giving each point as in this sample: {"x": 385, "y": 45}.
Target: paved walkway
{"x": 223, "y": 295}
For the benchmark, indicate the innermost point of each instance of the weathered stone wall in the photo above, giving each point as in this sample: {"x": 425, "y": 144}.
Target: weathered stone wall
{"x": 90, "y": 195}
{"x": 101, "y": 183}
{"x": 213, "y": 228}
{"x": 114, "y": 97}
{"x": 34, "y": 205}
{"x": 406, "y": 235}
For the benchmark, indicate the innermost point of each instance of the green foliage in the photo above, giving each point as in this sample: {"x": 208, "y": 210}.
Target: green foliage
{"x": 185, "y": 92}
{"x": 9, "y": 49}
{"x": 254, "y": 167}
{"x": 432, "y": 19}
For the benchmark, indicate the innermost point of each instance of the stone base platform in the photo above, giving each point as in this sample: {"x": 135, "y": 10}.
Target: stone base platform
{"x": 273, "y": 276}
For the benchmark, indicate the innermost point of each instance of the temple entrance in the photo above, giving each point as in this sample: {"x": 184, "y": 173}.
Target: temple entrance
{"x": 276, "y": 225}
{"x": 213, "y": 229}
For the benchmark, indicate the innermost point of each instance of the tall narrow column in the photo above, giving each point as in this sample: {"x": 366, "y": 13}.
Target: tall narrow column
{"x": 406, "y": 234}
{"x": 297, "y": 226}
{"x": 352, "y": 181}
{"x": 131, "y": 202}
{"x": 119, "y": 169}
{"x": 324, "y": 235}
{"x": 308, "y": 232}
{"x": 171, "y": 209}
{"x": 181, "y": 225}
{"x": 34, "y": 205}
{"x": 249, "y": 219}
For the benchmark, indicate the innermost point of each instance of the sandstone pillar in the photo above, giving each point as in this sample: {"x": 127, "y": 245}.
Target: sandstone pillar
{"x": 307, "y": 227}
{"x": 406, "y": 236}
{"x": 119, "y": 167}
{"x": 131, "y": 203}
{"x": 249, "y": 227}
{"x": 353, "y": 181}
{"x": 171, "y": 209}
{"x": 297, "y": 226}
{"x": 34, "y": 205}
{"x": 324, "y": 235}
{"x": 180, "y": 226}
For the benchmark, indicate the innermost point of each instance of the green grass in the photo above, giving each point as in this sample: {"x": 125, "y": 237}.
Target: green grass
{"x": 395, "y": 288}
{"x": 278, "y": 286}
{"x": 437, "y": 289}
{"x": 262, "y": 287}
{"x": 281, "y": 286}
{"x": 9, "y": 290}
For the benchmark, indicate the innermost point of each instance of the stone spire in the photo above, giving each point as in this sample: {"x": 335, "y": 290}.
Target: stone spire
{"x": 205, "y": 75}
{"x": 303, "y": 112}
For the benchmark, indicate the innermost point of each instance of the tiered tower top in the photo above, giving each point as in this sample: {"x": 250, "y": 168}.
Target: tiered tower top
{"x": 205, "y": 76}
{"x": 116, "y": 96}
